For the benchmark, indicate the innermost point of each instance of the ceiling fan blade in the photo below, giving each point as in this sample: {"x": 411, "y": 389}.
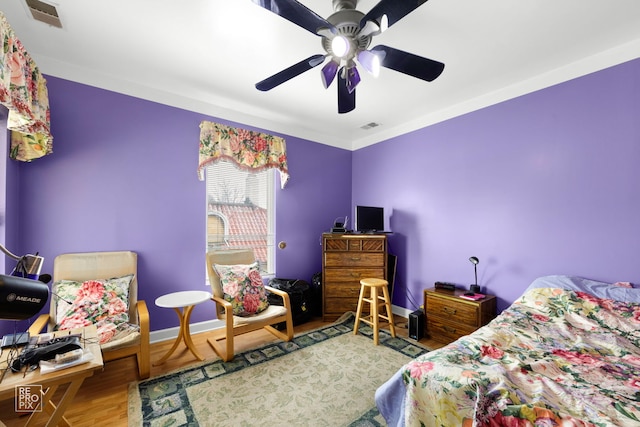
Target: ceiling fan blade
{"x": 291, "y": 72}
{"x": 394, "y": 9}
{"x": 346, "y": 99}
{"x": 410, "y": 64}
{"x": 299, "y": 14}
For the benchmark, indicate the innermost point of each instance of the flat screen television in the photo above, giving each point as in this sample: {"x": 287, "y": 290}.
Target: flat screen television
{"x": 369, "y": 219}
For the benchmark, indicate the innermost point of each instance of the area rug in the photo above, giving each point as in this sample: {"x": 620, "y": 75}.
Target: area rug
{"x": 325, "y": 377}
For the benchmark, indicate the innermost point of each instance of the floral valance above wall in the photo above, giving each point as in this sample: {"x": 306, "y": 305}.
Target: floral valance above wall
{"x": 23, "y": 90}
{"x": 247, "y": 149}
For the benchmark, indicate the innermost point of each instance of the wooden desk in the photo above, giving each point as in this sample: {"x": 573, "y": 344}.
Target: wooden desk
{"x": 73, "y": 377}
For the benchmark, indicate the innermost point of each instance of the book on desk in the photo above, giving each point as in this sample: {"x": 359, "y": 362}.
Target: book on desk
{"x": 473, "y": 297}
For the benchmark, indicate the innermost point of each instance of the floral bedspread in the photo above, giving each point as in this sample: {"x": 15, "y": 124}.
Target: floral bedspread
{"x": 553, "y": 358}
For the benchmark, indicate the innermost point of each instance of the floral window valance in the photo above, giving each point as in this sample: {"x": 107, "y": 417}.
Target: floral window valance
{"x": 23, "y": 90}
{"x": 247, "y": 149}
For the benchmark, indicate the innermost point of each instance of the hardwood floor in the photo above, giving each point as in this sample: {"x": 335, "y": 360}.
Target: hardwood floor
{"x": 102, "y": 399}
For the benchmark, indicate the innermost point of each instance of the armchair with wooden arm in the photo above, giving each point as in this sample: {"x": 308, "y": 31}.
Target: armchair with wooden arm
{"x": 236, "y": 325}
{"x": 104, "y": 265}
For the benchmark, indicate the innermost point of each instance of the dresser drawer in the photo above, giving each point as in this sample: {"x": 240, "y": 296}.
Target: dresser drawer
{"x": 457, "y": 311}
{"x": 340, "y": 305}
{"x": 353, "y": 259}
{"x": 352, "y": 275}
{"x": 371, "y": 245}
{"x": 355, "y": 245}
{"x": 336, "y": 245}
{"x": 342, "y": 290}
{"x": 447, "y": 332}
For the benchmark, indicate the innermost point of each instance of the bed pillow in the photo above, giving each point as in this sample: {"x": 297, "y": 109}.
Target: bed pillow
{"x": 243, "y": 287}
{"x": 619, "y": 291}
{"x": 101, "y": 302}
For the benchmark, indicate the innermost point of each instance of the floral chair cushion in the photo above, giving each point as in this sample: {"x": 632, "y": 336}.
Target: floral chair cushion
{"x": 243, "y": 288}
{"x": 103, "y": 303}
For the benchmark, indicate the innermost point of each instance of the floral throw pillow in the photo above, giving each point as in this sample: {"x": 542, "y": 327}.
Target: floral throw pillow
{"x": 243, "y": 288}
{"x": 104, "y": 303}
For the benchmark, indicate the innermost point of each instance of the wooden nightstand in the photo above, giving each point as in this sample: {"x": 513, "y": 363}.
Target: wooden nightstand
{"x": 449, "y": 317}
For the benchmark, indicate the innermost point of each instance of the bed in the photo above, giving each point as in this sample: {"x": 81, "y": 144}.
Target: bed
{"x": 566, "y": 353}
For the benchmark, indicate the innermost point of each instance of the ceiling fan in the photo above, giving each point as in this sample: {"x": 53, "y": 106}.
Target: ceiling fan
{"x": 346, "y": 36}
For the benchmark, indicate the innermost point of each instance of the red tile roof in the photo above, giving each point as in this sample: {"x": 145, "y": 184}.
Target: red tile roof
{"x": 245, "y": 226}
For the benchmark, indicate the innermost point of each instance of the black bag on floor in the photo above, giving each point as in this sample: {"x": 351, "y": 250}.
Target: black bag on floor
{"x": 299, "y": 294}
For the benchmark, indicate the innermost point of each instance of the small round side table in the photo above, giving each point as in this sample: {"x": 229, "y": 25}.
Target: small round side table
{"x": 182, "y": 302}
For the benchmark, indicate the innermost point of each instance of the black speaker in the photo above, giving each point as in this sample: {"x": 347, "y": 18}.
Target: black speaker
{"x": 416, "y": 324}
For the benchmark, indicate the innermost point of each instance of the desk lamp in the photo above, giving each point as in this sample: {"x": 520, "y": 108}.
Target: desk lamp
{"x": 475, "y": 288}
{"x": 28, "y": 266}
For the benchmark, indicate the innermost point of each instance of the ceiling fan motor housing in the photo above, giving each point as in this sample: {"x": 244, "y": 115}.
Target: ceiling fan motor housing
{"x": 347, "y": 23}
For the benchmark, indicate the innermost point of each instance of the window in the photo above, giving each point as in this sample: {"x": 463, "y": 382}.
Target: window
{"x": 241, "y": 211}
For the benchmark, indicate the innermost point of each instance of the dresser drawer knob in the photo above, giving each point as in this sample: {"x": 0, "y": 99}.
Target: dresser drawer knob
{"x": 449, "y": 310}
{"x": 449, "y": 329}
{"x": 355, "y": 258}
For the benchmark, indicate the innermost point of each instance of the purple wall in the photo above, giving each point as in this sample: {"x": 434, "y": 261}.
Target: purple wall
{"x": 543, "y": 184}
{"x": 123, "y": 177}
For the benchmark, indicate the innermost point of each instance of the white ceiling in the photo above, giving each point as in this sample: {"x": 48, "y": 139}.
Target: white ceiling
{"x": 207, "y": 55}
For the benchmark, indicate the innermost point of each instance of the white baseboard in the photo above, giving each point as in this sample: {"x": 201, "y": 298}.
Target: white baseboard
{"x": 210, "y": 325}
{"x": 400, "y": 311}
{"x": 195, "y": 328}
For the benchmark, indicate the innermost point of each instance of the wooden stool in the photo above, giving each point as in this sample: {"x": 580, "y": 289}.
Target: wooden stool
{"x": 375, "y": 302}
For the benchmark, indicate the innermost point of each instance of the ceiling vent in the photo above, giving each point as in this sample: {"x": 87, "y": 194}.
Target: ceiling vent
{"x": 44, "y": 12}
{"x": 370, "y": 126}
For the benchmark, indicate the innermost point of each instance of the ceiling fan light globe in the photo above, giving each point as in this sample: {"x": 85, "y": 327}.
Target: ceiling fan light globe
{"x": 371, "y": 61}
{"x": 340, "y": 46}
{"x": 384, "y": 23}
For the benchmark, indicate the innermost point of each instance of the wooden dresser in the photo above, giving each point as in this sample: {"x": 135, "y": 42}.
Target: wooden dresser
{"x": 450, "y": 317}
{"x": 347, "y": 258}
